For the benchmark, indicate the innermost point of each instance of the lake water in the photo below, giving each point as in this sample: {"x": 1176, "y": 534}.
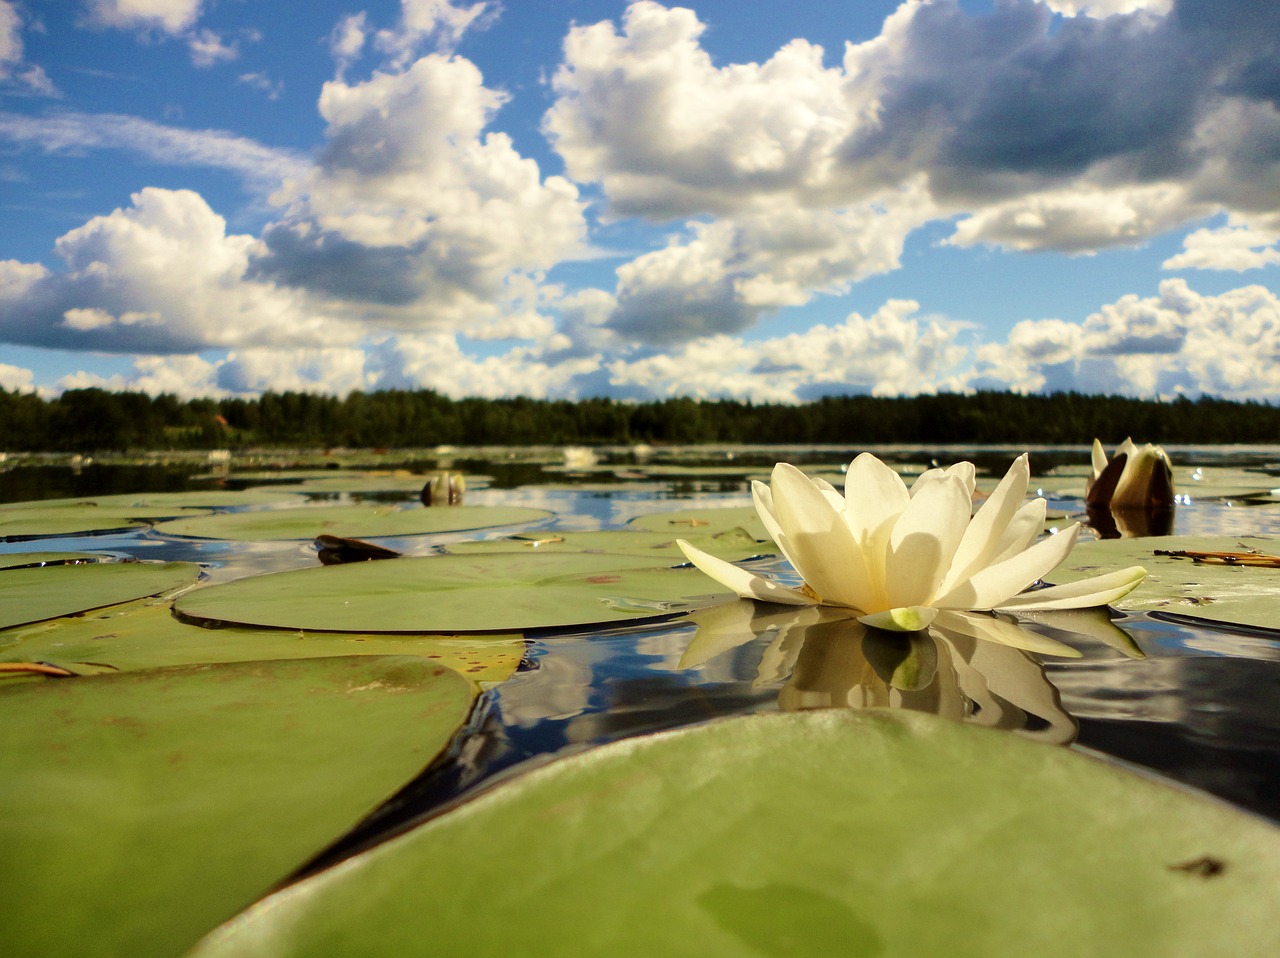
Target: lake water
{"x": 1201, "y": 707}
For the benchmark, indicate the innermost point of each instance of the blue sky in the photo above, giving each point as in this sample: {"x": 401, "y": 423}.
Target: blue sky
{"x": 567, "y": 198}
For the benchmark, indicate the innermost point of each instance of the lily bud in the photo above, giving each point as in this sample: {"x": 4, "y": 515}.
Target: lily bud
{"x": 444, "y": 488}
{"x": 1134, "y": 478}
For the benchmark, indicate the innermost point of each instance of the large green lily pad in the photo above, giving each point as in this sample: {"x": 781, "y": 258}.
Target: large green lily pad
{"x": 499, "y": 592}
{"x": 139, "y": 810}
{"x": 23, "y": 560}
{"x": 360, "y": 521}
{"x": 1234, "y": 594}
{"x": 813, "y": 833}
{"x": 145, "y": 635}
{"x": 155, "y": 504}
{"x": 1208, "y": 482}
{"x": 731, "y": 544}
{"x": 688, "y": 523}
{"x": 43, "y": 592}
{"x": 68, "y": 521}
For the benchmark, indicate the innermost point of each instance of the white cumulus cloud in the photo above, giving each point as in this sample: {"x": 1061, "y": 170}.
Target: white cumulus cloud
{"x": 1237, "y": 246}
{"x": 160, "y": 276}
{"x": 430, "y": 24}
{"x": 169, "y": 16}
{"x": 889, "y": 353}
{"x": 13, "y": 65}
{"x": 416, "y": 214}
{"x": 1178, "y": 342}
{"x": 16, "y": 379}
{"x": 1107, "y": 8}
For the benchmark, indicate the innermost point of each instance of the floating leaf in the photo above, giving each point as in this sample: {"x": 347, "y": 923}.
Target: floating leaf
{"x": 808, "y": 833}
{"x": 1236, "y": 594}
{"x": 137, "y": 811}
{"x": 729, "y": 544}
{"x": 146, "y": 635}
{"x": 67, "y": 521}
{"x": 29, "y": 595}
{"x": 1208, "y": 482}
{"x": 23, "y": 560}
{"x": 703, "y": 522}
{"x": 358, "y": 522}
{"x": 154, "y": 504}
{"x": 499, "y": 592}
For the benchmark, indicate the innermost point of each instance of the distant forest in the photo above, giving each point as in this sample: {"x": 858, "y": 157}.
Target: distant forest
{"x": 95, "y": 420}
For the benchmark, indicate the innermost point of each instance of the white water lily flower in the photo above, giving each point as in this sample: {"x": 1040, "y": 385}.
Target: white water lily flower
{"x": 897, "y": 557}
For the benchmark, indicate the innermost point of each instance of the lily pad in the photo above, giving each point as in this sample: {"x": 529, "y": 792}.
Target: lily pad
{"x": 44, "y": 592}
{"x": 139, "y": 810}
{"x": 154, "y": 504}
{"x": 813, "y": 833}
{"x": 1234, "y": 594}
{"x": 1208, "y": 482}
{"x": 68, "y": 521}
{"x": 359, "y": 522}
{"x": 24, "y": 560}
{"x": 368, "y": 483}
{"x": 498, "y": 592}
{"x": 731, "y": 544}
{"x": 686, "y": 523}
{"x": 144, "y": 635}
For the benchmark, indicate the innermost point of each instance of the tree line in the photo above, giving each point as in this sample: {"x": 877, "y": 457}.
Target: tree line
{"x": 96, "y": 420}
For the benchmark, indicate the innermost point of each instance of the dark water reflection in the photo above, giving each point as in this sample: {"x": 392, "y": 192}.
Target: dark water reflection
{"x": 1199, "y": 705}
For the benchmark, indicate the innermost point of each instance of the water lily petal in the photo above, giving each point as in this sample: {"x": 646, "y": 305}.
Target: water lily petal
{"x": 994, "y": 629}
{"x": 967, "y": 473}
{"x": 929, "y": 475}
{"x": 1023, "y": 529}
{"x": 874, "y": 495}
{"x": 924, "y": 540}
{"x": 820, "y": 543}
{"x": 746, "y": 584}
{"x": 1098, "y": 590}
{"x": 997, "y": 583}
{"x": 1099, "y": 462}
{"x": 762, "y": 496}
{"x": 985, "y": 532}
{"x": 902, "y": 619}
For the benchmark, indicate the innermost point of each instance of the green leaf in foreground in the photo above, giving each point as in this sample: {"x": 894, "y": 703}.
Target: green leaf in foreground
{"x": 810, "y": 833}
{"x": 1238, "y": 595}
{"x": 139, "y": 810}
{"x": 145, "y": 635}
{"x": 352, "y": 522}
{"x": 44, "y": 592}
{"x": 499, "y": 592}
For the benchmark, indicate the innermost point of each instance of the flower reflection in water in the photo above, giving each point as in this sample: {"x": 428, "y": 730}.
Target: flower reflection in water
{"x": 824, "y": 658}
